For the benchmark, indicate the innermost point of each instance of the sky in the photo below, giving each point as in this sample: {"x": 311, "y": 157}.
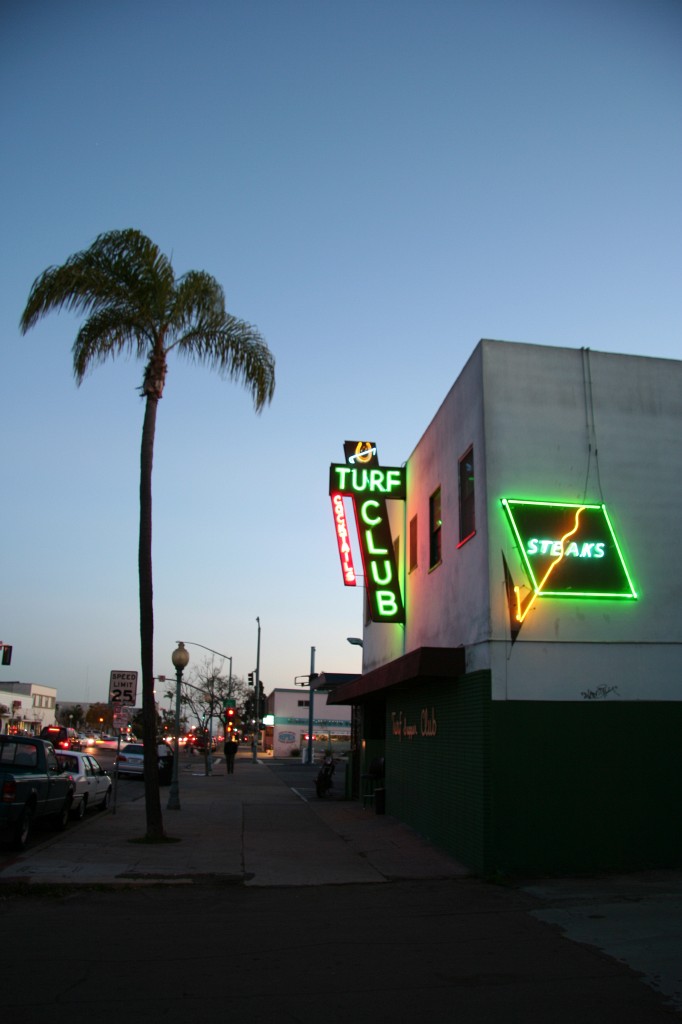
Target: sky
{"x": 376, "y": 185}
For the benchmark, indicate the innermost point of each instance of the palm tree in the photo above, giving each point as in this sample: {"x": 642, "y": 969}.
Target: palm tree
{"x": 134, "y": 304}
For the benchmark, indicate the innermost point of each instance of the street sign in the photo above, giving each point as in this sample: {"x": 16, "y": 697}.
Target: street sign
{"x": 121, "y": 716}
{"x": 122, "y": 687}
{"x": 229, "y": 702}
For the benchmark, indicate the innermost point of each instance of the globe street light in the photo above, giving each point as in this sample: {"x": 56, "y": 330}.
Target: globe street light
{"x": 180, "y": 658}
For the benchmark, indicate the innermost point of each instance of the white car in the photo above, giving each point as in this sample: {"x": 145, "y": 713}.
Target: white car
{"x": 93, "y": 784}
{"x": 130, "y": 761}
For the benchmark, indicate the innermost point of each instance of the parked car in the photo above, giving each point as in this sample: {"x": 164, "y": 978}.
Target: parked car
{"x": 130, "y": 761}
{"x": 93, "y": 784}
{"x": 61, "y": 737}
{"x": 32, "y": 785}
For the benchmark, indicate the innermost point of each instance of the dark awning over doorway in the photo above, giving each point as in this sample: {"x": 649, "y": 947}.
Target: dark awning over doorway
{"x": 425, "y": 664}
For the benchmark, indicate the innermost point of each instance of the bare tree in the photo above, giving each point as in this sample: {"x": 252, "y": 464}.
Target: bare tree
{"x": 205, "y": 697}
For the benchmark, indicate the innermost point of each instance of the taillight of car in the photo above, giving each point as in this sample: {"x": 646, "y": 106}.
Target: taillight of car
{"x": 64, "y": 744}
{"x": 9, "y": 791}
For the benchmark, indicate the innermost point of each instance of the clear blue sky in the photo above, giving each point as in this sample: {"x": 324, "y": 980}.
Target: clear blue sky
{"x": 377, "y": 186}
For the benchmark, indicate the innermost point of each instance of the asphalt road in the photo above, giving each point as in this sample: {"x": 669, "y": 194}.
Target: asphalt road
{"x": 452, "y": 951}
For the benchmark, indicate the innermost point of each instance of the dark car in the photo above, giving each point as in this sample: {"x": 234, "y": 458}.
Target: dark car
{"x": 130, "y": 761}
{"x": 61, "y": 737}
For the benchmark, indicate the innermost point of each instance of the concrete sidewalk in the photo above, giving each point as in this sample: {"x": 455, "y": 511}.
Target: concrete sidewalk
{"x": 250, "y": 829}
{"x": 246, "y": 828}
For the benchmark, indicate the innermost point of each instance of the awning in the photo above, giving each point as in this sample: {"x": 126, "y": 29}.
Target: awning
{"x": 425, "y": 664}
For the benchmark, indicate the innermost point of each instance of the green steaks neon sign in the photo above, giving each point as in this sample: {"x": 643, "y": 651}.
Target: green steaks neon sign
{"x": 567, "y": 550}
{"x": 370, "y": 486}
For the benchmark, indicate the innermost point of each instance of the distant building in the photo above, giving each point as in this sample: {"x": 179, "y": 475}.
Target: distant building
{"x": 290, "y": 711}
{"x": 522, "y": 643}
{"x": 26, "y": 707}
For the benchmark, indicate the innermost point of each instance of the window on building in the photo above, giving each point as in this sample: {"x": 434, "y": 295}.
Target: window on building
{"x": 467, "y": 518}
{"x": 435, "y": 529}
{"x": 304, "y": 703}
{"x": 413, "y": 543}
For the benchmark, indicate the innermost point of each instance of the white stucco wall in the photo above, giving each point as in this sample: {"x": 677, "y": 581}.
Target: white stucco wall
{"x": 548, "y": 411}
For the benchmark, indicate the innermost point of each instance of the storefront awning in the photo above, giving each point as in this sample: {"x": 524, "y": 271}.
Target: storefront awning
{"x": 425, "y": 664}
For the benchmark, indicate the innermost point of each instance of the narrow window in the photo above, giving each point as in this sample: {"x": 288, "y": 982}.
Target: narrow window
{"x": 435, "y": 524}
{"x": 413, "y": 543}
{"x": 467, "y": 519}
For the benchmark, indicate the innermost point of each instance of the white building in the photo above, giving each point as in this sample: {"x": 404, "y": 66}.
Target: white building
{"x": 528, "y": 701}
{"x": 290, "y": 711}
{"x": 26, "y": 707}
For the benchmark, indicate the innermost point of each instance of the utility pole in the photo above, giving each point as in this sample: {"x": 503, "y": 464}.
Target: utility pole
{"x": 311, "y": 699}
{"x": 256, "y": 698}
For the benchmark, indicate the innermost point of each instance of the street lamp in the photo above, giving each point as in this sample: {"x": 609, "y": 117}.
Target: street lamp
{"x": 355, "y": 640}
{"x": 180, "y": 658}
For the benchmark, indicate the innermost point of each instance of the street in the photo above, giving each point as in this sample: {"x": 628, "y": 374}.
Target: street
{"x": 441, "y": 950}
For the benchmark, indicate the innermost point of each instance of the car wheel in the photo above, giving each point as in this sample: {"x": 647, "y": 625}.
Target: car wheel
{"x": 22, "y": 829}
{"x": 79, "y": 813}
{"x": 107, "y": 800}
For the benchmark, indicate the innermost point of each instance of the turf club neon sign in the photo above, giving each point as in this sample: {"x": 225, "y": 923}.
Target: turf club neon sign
{"x": 567, "y": 550}
{"x": 369, "y": 486}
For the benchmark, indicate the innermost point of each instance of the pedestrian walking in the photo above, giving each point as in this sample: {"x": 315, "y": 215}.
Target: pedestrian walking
{"x": 231, "y": 747}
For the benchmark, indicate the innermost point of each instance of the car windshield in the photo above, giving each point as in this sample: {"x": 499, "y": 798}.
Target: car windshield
{"x": 133, "y": 748}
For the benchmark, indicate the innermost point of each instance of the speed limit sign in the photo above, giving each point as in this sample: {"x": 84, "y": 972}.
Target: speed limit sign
{"x": 122, "y": 687}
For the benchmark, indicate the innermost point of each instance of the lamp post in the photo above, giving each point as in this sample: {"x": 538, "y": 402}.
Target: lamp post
{"x": 180, "y": 658}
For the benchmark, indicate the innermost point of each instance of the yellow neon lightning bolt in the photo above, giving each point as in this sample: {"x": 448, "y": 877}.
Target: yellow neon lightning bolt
{"x": 521, "y": 614}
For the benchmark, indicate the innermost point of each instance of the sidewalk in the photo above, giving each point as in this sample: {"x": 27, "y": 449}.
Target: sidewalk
{"x": 250, "y": 829}
{"x": 247, "y": 828}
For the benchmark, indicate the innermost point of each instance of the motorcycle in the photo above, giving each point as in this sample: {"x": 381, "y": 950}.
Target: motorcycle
{"x": 324, "y": 783}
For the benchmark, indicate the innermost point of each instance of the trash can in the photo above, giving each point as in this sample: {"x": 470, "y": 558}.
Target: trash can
{"x": 380, "y": 800}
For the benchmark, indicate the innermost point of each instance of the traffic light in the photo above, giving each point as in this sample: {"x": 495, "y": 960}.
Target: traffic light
{"x": 229, "y": 718}
{"x": 6, "y": 654}
{"x": 250, "y": 678}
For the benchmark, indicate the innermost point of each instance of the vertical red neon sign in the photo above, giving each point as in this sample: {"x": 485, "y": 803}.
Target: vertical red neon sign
{"x": 345, "y": 553}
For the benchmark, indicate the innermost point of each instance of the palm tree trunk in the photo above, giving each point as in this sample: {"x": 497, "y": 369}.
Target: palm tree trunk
{"x": 151, "y": 770}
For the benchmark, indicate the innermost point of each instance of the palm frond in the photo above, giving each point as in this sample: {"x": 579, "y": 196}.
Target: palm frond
{"x": 106, "y": 334}
{"x": 205, "y": 333}
{"x": 236, "y": 351}
{"x": 119, "y": 268}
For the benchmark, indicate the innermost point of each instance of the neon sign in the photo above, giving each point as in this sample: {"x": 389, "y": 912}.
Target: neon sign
{"x": 345, "y": 553}
{"x": 567, "y": 550}
{"x": 369, "y": 486}
{"x": 377, "y": 480}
